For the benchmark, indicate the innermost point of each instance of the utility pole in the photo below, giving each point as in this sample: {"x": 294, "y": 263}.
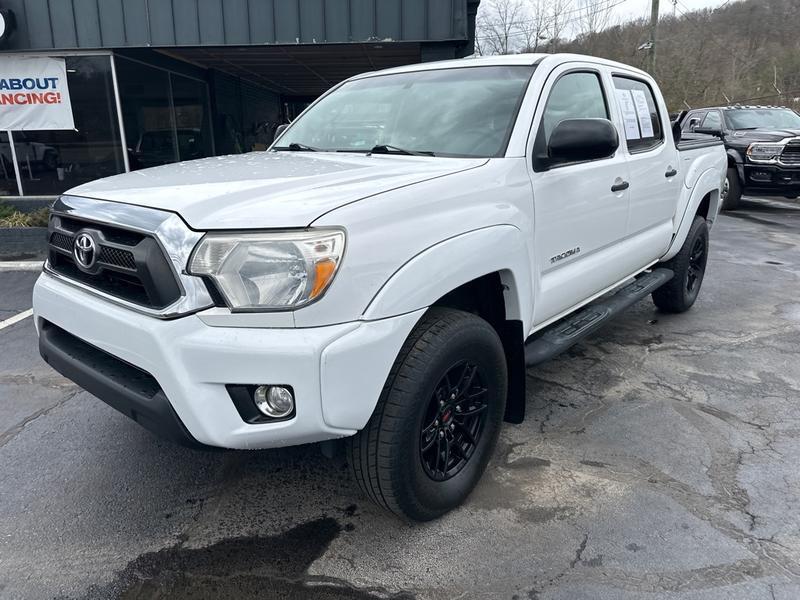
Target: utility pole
{"x": 653, "y": 35}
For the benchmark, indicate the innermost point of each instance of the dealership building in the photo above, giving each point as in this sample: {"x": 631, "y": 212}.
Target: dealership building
{"x": 157, "y": 81}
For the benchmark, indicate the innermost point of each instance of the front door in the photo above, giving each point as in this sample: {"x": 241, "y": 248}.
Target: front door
{"x": 578, "y": 219}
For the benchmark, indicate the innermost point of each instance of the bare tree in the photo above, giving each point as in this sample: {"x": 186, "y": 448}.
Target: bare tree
{"x": 559, "y": 11}
{"x": 499, "y": 27}
{"x": 510, "y": 26}
{"x": 536, "y": 30}
{"x": 594, "y": 16}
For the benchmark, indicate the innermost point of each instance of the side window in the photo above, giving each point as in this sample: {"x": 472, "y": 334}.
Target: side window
{"x": 713, "y": 120}
{"x": 693, "y": 119}
{"x": 643, "y": 128}
{"x": 576, "y": 95}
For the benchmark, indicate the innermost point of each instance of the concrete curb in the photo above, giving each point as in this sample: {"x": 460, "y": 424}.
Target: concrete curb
{"x": 23, "y": 243}
{"x": 21, "y": 265}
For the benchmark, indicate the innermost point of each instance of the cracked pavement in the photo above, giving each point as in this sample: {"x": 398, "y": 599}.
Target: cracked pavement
{"x": 658, "y": 461}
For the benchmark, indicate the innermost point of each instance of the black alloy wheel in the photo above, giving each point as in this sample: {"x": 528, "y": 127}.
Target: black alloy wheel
{"x": 689, "y": 266}
{"x": 697, "y": 265}
{"x": 455, "y": 419}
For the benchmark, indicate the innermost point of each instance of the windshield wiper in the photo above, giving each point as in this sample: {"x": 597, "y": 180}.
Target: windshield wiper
{"x": 295, "y": 147}
{"x": 388, "y": 149}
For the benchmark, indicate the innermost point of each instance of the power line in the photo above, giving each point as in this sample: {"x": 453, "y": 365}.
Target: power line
{"x": 565, "y": 23}
{"x": 573, "y": 10}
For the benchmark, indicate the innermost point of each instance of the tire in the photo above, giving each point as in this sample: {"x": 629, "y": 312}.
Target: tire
{"x": 388, "y": 458}
{"x": 733, "y": 192}
{"x": 689, "y": 265}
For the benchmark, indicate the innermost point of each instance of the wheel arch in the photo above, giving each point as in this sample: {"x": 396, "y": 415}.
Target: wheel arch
{"x": 446, "y": 266}
{"x": 704, "y": 200}
{"x": 495, "y": 284}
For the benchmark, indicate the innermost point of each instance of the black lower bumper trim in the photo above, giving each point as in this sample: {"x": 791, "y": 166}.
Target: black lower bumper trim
{"x": 132, "y": 391}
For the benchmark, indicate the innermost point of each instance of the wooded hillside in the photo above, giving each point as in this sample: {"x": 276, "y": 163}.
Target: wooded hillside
{"x": 732, "y": 54}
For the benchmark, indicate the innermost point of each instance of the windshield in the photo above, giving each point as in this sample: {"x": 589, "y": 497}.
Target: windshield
{"x": 763, "y": 118}
{"x": 450, "y": 112}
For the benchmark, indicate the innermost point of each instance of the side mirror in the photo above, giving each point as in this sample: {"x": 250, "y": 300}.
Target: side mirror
{"x": 579, "y": 140}
{"x": 710, "y": 131}
{"x": 280, "y": 129}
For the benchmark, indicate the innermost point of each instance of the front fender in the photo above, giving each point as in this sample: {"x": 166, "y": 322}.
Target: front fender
{"x": 443, "y": 267}
{"x": 708, "y": 184}
{"x": 736, "y": 160}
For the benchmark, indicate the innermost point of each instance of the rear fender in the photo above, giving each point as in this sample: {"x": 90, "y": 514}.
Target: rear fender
{"x": 708, "y": 184}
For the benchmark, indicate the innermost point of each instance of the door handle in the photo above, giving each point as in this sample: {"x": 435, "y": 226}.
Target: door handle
{"x": 619, "y": 187}
{"x": 671, "y": 173}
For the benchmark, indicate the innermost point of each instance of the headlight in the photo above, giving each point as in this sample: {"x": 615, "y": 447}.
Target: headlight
{"x": 764, "y": 152}
{"x": 269, "y": 271}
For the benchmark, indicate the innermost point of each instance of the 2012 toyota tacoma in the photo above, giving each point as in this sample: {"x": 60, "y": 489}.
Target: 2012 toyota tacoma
{"x": 385, "y": 272}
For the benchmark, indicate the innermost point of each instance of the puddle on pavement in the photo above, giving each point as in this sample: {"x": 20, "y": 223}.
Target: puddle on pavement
{"x": 241, "y": 568}
{"x": 789, "y": 311}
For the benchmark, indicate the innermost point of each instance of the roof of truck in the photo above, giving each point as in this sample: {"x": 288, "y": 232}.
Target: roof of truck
{"x": 740, "y": 107}
{"x": 503, "y": 60}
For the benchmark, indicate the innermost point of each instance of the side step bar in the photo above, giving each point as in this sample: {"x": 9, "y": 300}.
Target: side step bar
{"x": 542, "y": 346}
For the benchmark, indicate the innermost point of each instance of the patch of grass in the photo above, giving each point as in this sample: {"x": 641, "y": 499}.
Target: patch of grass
{"x": 11, "y": 217}
{"x": 5, "y": 210}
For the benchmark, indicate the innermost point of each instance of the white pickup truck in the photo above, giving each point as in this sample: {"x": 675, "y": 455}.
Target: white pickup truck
{"x": 387, "y": 269}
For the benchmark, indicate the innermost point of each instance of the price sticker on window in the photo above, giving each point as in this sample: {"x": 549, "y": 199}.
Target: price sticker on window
{"x": 629, "y": 117}
{"x": 643, "y": 112}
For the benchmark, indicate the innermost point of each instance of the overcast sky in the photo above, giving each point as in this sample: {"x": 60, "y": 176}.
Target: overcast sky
{"x": 634, "y": 9}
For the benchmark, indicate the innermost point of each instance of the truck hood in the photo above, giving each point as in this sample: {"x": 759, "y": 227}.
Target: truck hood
{"x": 765, "y": 134}
{"x": 268, "y": 189}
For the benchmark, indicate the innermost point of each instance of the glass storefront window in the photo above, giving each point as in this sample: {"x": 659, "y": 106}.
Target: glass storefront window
{"x": 192, "y": 122}
{"x": 51, "y": 162}
{"x": 8, "y": 181}
{"x": 166, "y": 115}
{"x": 147, "y": 114}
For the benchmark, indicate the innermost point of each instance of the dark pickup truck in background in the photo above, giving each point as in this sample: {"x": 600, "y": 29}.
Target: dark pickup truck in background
{"x": 763, "y": 146}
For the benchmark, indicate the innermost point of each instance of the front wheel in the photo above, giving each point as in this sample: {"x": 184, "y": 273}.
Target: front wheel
{"x": 689, "y": 265}
{"x": 731, "y": 190}
{"x": 437, "y": 420}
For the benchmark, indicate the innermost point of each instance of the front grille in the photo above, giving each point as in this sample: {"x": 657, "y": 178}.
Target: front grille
{"x": 127, "y": 264}
{"x": 791, "y": 154}
{"x": 62, "y": 241}
{"x": 117, "y": 257}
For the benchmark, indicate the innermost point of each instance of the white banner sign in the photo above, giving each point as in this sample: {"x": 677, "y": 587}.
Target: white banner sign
{"x": 34, "y": 94}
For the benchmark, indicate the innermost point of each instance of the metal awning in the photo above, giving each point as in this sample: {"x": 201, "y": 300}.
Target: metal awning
{"x": 300, "y": 70}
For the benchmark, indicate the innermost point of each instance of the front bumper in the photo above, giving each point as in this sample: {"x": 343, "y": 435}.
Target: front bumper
{"x": 770, "y": 180}
{"x": 337, "y": 371}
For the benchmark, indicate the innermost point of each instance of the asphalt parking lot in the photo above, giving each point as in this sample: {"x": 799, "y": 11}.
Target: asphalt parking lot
{"x": 659, "y": 460}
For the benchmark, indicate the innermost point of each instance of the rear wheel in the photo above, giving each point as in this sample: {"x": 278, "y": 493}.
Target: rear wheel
{"x": 731, "y": 190}
{"x": 437, "y": 420}
{"x": 689, "y": 265}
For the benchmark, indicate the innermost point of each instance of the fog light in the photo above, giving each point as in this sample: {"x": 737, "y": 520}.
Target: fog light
{"x": 274, "y": 401}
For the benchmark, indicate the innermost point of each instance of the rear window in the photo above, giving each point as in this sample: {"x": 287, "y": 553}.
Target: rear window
{"x": 636, "y": 100}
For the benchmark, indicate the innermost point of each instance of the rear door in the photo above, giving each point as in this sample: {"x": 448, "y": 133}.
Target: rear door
{"x": 578, "y": 220}
{"x": 654, "y": 164}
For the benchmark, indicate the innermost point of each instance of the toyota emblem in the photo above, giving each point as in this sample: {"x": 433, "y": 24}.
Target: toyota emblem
{"x": 85, "y": 250}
